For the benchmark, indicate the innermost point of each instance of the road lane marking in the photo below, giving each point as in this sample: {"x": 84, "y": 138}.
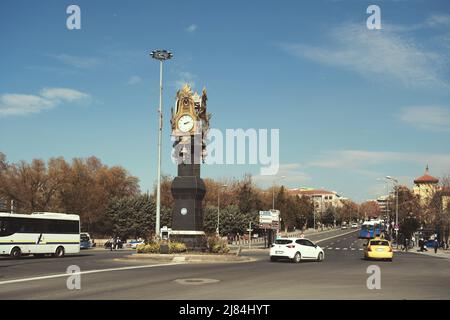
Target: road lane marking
{"x": 337, "y": 248}
{"x": 87, "y": 272}
{"x": 339, "y": 235}
{"x": 344, "y": 249}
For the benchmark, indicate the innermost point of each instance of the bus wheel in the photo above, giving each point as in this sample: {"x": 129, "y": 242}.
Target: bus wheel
{"x": 16, "y": 252}
{"x": 59, "y": 252}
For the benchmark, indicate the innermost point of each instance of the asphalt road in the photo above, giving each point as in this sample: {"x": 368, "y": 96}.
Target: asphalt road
{"x": 343, "y": 275}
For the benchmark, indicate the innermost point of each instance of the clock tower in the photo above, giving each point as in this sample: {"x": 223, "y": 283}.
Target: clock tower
{"x": 190, "y": 124}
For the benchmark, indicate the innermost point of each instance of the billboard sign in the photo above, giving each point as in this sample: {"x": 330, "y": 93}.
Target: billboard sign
{"x": 269, "y": 219}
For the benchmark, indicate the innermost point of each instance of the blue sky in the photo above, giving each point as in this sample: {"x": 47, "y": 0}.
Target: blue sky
{"x": 352, "y": 105}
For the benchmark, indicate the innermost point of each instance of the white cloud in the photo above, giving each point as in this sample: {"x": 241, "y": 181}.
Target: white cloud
{"x": 63, "y": 94}
{"x": 359, "y": 160}
{"x": 436, "y": 20}
{"x": 432, "y": 118}
{"x": 134, "y": 80}
{"x": 22, "y": 104}
{"x": 76, "y": 61}
{"x": 191, "y": 28}
{"x": 292, "y": 172}
{"x": 377, "y": 54}
{"x": 48, "y": 98}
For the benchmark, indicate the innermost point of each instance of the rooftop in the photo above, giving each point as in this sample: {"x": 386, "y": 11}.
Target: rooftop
{"x": 426, "y": 178}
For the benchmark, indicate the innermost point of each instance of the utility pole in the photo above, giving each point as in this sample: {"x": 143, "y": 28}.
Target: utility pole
{"x": 250, "y": 235}
{"x": 160, "y": 55}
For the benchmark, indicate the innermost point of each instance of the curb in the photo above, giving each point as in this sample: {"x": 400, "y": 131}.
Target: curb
{"x": 193, "y": 258}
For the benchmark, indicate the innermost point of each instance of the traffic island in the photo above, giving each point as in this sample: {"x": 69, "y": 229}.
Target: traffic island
{"x": 187, "y": 258}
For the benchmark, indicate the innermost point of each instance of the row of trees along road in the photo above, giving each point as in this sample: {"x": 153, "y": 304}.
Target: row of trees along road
{"x": 109, "y": 201}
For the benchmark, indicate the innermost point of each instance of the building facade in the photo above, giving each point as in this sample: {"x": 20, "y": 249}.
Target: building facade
{"x": 425, "y": 187}
{"x": 322, "y": 199}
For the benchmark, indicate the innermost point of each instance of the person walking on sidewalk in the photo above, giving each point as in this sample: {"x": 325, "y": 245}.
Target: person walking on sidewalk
{"x": 436, "y": 245}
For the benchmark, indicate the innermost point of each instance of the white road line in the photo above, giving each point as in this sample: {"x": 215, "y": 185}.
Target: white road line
{"x": 339, "y": 235}
{"x": 86, "y": 272}
{"x": 353, "y": 248}
{"x": 337, "y": 248}
{"x": 360, "y": 249}
{"x": 344, "y": 249}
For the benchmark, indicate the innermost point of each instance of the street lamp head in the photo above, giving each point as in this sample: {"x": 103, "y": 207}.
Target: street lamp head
{"x": 161, "y": 55}
{"x": 393, "y": 179}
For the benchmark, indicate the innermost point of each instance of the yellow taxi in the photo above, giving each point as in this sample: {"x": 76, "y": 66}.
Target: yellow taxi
{"x": 379, "y": 248}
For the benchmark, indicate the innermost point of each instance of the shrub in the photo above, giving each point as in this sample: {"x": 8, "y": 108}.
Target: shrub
{"x": 148, "y": 248}
{"x": 217, "y": 245}
{"x": 176, "y": 247}
{"x": 154, "y": 247}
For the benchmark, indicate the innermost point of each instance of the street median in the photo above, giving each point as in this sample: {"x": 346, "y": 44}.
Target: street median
{"x": 187, "y": 258}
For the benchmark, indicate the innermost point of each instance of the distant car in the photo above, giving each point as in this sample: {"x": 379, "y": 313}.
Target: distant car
{"x": 295, "y": 249}
{"x": 344, "y": 226}
{"x": 378, "y": 248}
{"x": 354, "y": 225}
{"x": 85, "y": 241}
{"x": 134, "y": 243}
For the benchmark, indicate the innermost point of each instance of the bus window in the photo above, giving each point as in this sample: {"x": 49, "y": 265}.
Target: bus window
{"x": 5, "y": 229}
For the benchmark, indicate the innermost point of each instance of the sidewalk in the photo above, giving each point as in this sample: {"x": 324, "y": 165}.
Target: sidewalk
{"x": 440, "y": 253}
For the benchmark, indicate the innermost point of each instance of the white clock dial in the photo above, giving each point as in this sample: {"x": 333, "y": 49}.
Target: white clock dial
{"x": 185, "y": 123}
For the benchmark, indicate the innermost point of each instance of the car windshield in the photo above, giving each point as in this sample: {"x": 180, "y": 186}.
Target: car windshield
{"x": 84, "y": 237}
{"x": 283, "y": 241}
{"x": 379, "y": 243}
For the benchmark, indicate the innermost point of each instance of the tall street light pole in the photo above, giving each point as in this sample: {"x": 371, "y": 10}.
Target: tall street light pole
{"x": 160, "y": 55}
{"x": 218, "y": 208}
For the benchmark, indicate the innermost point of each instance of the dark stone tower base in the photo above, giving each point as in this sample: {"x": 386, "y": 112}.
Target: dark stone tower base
{"x": 188, "y": 191}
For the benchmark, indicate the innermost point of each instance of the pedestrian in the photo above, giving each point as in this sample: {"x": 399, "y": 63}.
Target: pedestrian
{"x": 111, "y": 241}
{"x": 436, "y": 245}
{"x": 114, "y": 243}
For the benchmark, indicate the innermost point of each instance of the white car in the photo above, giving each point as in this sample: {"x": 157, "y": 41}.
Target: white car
{"x": 354, "y": 225}
{"x": 134, "y": 243}
{"x": 296, "y": 249}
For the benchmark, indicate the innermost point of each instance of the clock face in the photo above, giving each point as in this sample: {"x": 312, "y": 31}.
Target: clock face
{"x": 185, "y": 123}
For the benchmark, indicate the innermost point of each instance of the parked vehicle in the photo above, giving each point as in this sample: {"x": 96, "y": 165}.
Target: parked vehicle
{"x": 295, "y": 249}
{"x": 134, "y": 243}
{"x": 85, "y": 241}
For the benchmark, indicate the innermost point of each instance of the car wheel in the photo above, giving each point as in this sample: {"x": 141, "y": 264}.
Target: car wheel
{"x": 59, "y": 253}
{"x": 320, "y": 257}
{"x": 16, "y": 253}
{"x": 297, "y": 258}
{"x": 273, "y": 259}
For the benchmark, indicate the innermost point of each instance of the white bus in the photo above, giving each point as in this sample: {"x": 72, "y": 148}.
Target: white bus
{"x": 39, "y": 233}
